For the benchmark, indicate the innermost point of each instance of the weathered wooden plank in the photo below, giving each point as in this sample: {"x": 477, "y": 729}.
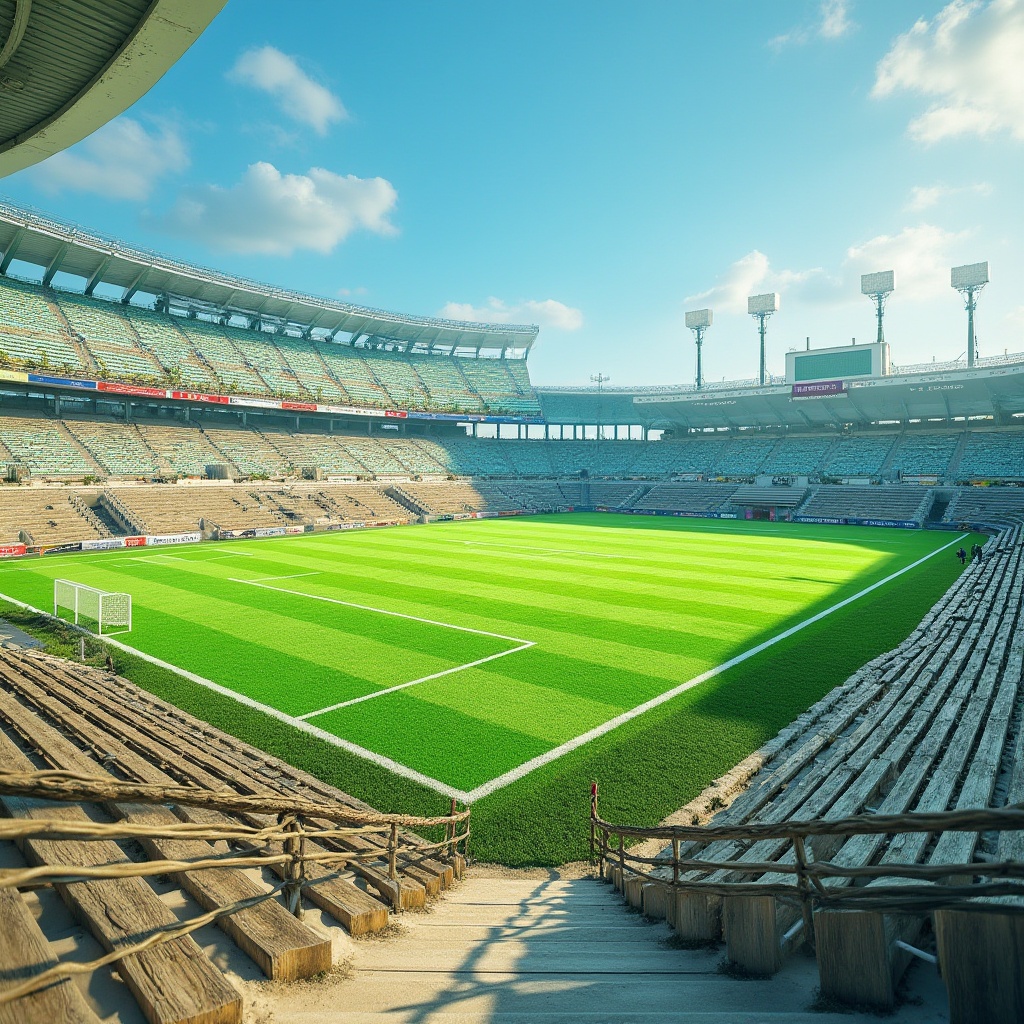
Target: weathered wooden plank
{"x": 208, "y": 768}
{"x": 24, "y": 953}
{"x": 173, "y": 982}
{"x": 282, "y": 946}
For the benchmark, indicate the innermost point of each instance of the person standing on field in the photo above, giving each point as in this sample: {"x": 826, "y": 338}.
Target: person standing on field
{"x": 962, "y": 555}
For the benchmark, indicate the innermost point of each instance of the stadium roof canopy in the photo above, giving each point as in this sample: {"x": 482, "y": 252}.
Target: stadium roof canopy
{"x": 67, "y": 67}
{"x": 994, "y": 388}
{"x": 32, "y": 238}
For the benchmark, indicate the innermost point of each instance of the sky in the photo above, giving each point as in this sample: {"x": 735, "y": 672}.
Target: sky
{"x": 596, "y": 167}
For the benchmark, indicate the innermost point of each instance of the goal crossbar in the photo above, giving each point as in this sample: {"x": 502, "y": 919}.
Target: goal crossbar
{"x": 84, "y": 606}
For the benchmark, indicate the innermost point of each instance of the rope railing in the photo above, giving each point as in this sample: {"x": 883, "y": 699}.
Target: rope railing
{"x": 803, "y": 881}
{"x": 290, "y": 845}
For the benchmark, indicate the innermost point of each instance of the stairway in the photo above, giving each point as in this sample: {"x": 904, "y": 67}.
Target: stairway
{"x": 548, "y": 951}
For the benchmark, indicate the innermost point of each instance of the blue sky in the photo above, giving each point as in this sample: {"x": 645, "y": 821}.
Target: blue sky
{"x": 596, "y": 167}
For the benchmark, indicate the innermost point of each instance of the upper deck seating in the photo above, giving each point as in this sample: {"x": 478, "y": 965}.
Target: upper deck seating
{"x": 993, "y": 455}
{"x": 859, "y": 456}
{"x": 175, "y": 353}
{"x": 31, "y": 331}
{"x": 186, "y": 450}
{"x": 797, "y": 456}
{"x": 220, "y": 353}
{"x": 924, "y": 454}
{"x": 743, "y": 456}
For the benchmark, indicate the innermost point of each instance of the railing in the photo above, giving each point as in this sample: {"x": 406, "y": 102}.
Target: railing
{"x": 284, "y": 845}
{"x": 808, "y": 888}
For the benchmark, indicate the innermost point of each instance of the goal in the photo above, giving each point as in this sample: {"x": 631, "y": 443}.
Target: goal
{"x": 99, "y": 611}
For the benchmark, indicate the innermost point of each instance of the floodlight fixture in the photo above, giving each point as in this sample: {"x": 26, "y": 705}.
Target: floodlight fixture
{"x": 762, "y": 307}
{"x": 968, "y": 280}
{"x": 600, "y": 380}
{"x": 698, "y": 321}
{"x": 879, "y": 287}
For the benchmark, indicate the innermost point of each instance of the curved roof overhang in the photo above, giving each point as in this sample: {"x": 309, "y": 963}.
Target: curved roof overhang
{"x": 67, "y": 67}
{"x": 32, "y": 238}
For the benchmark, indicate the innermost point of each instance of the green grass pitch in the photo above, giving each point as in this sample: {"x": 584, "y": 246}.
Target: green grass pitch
{"x": 487, "y": 659}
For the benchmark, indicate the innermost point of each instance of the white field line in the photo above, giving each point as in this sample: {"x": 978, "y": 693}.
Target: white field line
{"x": 381, "y": 611}
{"x": 533, "y": 549}
{"x": 293, "y": 576}
{"x": 336, "y": 741}
{"x": 529, "y": 766}
{"x": 415, "y": 682}
{"x": 613, "y": 723}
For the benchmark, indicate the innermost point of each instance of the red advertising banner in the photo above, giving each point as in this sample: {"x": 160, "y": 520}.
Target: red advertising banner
{"x": 198, "y": 396}
{"x": 9, "y": 550}
{"x": 135, "y": 542}
{"x": 395, "y": 414}
{"x": 819, "y": 388}
{"x": 299, "y": 406}
{"x": 132, "y": 389}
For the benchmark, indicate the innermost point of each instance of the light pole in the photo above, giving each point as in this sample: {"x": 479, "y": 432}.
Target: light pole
{"x": 600, "y": 380}
{"x": 699, "y": 320}
{"x": 968, "y": 280}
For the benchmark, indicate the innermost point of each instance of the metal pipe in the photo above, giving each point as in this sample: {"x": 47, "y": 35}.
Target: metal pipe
{"x": 928, "y": 958}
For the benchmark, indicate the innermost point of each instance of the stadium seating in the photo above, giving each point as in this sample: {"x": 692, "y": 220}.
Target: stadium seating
{"x": 924, "y": 454}
{"x": 924, "y": 727}
{"x": 743, "y": 456}
{"x": 47, "y": 515}
{"x": 781, "y": 496}
{"x": 859, "y": 456}
{"x": 45, "y": 448}
{"x": 993, "y": 455}
{"x": 42, "y": 327}
{"x": 797, "y": 456}
{"x": 986, "y": 505}
{"x": 118, "y": 448}
{"x": 892, "y": 502}
{"x": 31, "y": 331}
{"x": 185, "y": 449}
{"x": 685, "y": 497}
{"x": 248, "y": 450}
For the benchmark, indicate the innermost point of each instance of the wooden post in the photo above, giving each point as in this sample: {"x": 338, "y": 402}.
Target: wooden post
{"x": 295, "y": 847}
{"x": 593, "y": 820}
{"x": 802, "y": 883}
{"x": 450, "y": 833}
{"x": 393, "y": 853}
{"x": 675, "y": 863}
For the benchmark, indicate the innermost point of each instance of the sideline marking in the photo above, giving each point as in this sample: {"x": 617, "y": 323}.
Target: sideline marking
{"x": 469, "y": 797}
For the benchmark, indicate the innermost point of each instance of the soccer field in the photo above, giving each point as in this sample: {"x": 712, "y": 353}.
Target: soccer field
{"x": 465, "y": 656}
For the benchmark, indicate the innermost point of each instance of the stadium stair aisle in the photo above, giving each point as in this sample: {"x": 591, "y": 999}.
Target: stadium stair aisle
{"x": 507, "y": 950}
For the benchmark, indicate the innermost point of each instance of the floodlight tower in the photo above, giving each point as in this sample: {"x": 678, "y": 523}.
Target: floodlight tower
{"x": 599, "y": 379}
{"x": 699, "y": 320}
{"x": 968, "y": 280}
{"x": 762, "y": 307}
{"x": 878, "y": 287}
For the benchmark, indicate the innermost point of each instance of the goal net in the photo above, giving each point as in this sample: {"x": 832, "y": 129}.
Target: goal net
{"x": 99, "y": 611}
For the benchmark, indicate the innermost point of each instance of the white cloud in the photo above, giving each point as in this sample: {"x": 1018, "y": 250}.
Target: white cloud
{"x": 968, "y": 60}
{"x": 753, "y": 275}
{"x": 923, "y": 197}
{"x": 301, "y": 98}
{"x": 271, "y": 213}
{"x": 835, "y": 19}
{"x": 122, "y": 160}
{"x": 544, "y": 312}
{"x": 920, "y": 256}
{"x": 833, "y": 22}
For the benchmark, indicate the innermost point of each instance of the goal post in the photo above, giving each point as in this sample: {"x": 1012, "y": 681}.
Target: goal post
{"x": 100, "y": 611}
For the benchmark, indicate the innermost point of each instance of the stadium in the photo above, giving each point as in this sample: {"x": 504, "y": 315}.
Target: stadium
{"x": 316, "y": 615}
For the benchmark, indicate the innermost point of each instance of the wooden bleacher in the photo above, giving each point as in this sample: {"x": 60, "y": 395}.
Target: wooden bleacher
{"x": 928, "y": 728}
{"x": 60, "y": 715}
